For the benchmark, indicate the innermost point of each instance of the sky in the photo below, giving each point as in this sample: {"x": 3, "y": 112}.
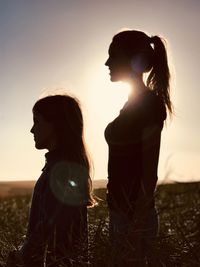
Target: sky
{"x": 56, "y": 46}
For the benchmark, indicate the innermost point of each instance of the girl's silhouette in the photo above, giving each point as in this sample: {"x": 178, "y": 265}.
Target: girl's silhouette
{"x": 57, "y": 228}
{"x": 134, "y": 139}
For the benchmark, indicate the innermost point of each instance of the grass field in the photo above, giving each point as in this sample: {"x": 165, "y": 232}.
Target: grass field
{"x": 178, "y": 243}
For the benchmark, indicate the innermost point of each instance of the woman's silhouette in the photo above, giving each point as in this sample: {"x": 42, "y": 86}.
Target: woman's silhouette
{"x": 57, "y": 228}
{"x": 134, "y": 139}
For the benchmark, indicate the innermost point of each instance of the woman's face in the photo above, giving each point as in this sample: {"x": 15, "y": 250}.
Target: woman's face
{"x": 43, "y": 132}
{"x": 118, "y": 64}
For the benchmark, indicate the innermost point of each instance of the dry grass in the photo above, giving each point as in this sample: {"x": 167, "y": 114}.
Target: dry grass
{"x": 177, "y": 245}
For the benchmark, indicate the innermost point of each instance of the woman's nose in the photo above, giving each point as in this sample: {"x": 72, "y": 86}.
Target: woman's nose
{"x": 107, "y": 62}
{"x": 32, "y": 130}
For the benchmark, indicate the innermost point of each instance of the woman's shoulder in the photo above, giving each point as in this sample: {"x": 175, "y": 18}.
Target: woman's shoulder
{"x": 154, "y": 105}
{"x": 147, "y": 106}
{"x": 144, "y": 101}
{"x": 149, "y": 97}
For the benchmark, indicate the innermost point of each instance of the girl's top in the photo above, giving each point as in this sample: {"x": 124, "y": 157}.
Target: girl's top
{"x": 58, "y": 215}
{"x": 134, "y": 142}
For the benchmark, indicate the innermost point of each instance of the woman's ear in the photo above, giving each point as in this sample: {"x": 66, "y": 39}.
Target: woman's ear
{"x": 140, "y": 63}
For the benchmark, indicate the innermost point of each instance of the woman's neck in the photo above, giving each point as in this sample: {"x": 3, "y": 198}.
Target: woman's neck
{"x": 138, "y": 86}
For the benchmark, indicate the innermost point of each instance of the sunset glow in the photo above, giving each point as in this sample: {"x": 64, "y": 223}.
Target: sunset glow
{"x": 64, "y": 44}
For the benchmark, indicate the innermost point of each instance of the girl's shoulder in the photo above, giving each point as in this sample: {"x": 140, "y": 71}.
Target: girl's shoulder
{"x": 68, "y": 182}
{"x": 67, "y": 169}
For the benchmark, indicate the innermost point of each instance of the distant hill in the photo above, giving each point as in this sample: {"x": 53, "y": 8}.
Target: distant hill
{"x": 12, "y": 188}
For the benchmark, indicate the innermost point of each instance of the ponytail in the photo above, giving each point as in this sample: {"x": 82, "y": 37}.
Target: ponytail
{"x": 158, "y": 79}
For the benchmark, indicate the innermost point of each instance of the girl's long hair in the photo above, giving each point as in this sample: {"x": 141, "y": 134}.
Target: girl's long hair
{"x": 64, "y": 112}
{"x": 153, "y": 49}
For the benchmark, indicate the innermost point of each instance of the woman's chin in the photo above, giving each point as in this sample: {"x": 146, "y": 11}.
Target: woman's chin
{"x": 117, "y": 77}
{"x": 113, "y": 78}
{"x": 39, "y": 146}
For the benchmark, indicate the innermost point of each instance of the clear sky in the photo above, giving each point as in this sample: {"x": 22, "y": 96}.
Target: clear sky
{"x": 50, "y": 45}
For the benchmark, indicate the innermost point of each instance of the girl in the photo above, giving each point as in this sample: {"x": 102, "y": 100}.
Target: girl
{"x": 57, "y": 228}
{"x": 134, "y": 138}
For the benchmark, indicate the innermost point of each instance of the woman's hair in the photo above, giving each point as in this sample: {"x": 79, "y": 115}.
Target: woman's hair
{"x": 64, "y": 112}
{"x": 154, "y": 57}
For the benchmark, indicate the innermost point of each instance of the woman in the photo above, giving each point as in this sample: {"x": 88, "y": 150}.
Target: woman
{"x": 134, "y": 138}
{"x": 57, "y": 228}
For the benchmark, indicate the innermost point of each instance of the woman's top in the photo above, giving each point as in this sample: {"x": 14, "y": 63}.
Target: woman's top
{"x": 58, "y": 215}
{"x": 134, "y": 142}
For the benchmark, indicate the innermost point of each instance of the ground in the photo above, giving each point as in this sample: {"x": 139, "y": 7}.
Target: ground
{"x": 177, "y": 245}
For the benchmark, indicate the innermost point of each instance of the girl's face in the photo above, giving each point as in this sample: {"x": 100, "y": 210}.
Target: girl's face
{"x": 118, "y": 64}
{"x": 43, "y": 132}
